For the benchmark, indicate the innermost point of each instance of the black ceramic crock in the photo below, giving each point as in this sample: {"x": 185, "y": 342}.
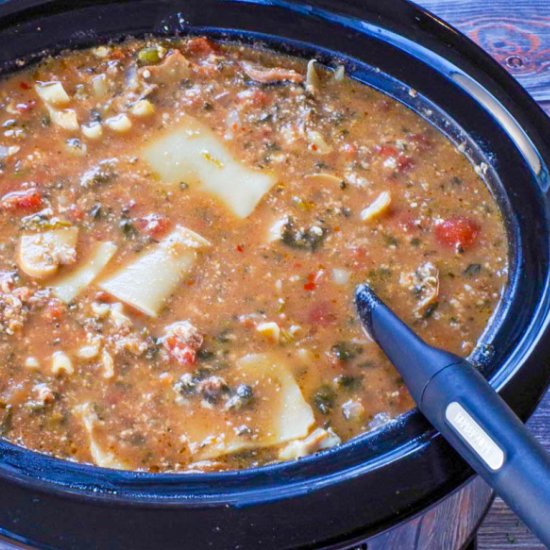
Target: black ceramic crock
{"x": 373, "y": 482}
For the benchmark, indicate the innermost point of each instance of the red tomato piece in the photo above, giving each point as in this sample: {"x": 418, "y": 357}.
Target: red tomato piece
{"x": 184, "y": 355}
{"x": 386, "y": 151}
{"x": 458, "y": 232}
{"x": 25, "y": 86}
{"x": 54, "y": 310}
{"x": 117, "y": 55}
{"x": 153, "y": 225}
{"x": 310, "y": 282}
{"x": 201, "y": 46}
{"x": 28, "y": 199}
{"x": 182, "y": 341}
{"x": 404, "y": 163}
{"x": 114, "y": 395}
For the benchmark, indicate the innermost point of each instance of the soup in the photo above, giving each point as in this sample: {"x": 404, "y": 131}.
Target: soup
{"x": 182, "y": 227}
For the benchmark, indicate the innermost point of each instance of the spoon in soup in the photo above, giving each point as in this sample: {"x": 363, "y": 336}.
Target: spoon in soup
{"x": 468, "y": 412}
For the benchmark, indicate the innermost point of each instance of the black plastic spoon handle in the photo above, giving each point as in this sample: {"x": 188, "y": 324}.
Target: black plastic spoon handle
{"x": 466, "y": 410}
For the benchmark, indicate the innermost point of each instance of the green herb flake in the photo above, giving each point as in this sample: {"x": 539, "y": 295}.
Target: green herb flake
{"x": 346, "y": 351}
{"x": 349, "y": 383}
{"x": 323, "y": 399}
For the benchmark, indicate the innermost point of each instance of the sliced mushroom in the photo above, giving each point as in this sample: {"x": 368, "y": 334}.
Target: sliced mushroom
{"x": 41, "y": 254}
{"x": 424, "y": 283}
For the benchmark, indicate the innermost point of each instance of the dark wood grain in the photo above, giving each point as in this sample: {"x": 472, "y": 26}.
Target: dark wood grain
{"x": 438, "y": 528}
{"x": 502, "y": 529}
{"x": 517, "y": 34}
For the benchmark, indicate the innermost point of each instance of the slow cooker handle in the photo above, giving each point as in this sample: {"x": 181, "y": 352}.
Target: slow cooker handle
{"x": 469, "y": 413}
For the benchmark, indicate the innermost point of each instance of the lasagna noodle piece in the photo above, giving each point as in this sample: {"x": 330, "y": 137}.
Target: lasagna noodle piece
{"x": 194, "y": 154}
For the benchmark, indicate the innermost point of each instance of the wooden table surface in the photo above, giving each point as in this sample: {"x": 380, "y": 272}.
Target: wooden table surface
{"x": 517, "y": 34}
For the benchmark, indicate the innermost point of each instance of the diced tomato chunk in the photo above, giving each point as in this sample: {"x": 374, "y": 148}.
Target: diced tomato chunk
{"x": 404, "y": 163}
{"x": 201, "y": 46}
{"x": 458, "y": 232}
{"x": 117, "y": 54}
{"x": 386, "y": 151}
{"x": 153, "y": 225}
{"x": 54, "y": 310}
{"x": 28, "y": 199}
{"x": 182, "y": 341}
{"x": 25, "y": 85}
{"x": 185, "y": 355}
{"x": 322, "y": 313}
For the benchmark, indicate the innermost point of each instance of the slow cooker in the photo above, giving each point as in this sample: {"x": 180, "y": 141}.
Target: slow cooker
{"x": 344, "y": 494}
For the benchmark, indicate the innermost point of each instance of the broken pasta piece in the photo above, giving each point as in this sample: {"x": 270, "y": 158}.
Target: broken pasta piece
{"x": 317, "y": 440}
{"x": 148, "y": 280}
{"x": 61, "y": 363}
{"x": 52, "y": 93}
{"x": 102, "y": 457}
{"x": 283, "y": 416}
{"x": 71, "y": 285}
{"x": 65, "y": 118}
{"x": 193, "y": 153}
{"x": 377, "y": 208}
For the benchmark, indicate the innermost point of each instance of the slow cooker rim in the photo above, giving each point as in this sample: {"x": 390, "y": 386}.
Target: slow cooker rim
{"x": 427, "y": 437}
